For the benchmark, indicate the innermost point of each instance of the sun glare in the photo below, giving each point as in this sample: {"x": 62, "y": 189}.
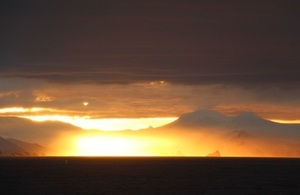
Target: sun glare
{"x": 108, "y": 146}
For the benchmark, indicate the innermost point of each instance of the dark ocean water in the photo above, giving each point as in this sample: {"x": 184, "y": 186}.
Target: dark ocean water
{"x": 52, "y": 175}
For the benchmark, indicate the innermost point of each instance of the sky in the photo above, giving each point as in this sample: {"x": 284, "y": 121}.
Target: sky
{"x": 149, "y": 59}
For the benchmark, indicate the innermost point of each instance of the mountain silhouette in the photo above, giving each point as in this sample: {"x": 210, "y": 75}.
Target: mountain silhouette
{"x": 196, "y": 133}
{"x": 201, "y": 118}
{"x": 14, "y": 147}
{"x": 245, "y": 134}
{"x": 247, "y": 122}
{"x": 36, "y": 132}
{"x": 30, "y": 148}
{"x": 8, "y": 148}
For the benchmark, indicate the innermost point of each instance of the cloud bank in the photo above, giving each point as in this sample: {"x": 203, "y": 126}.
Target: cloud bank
{"x": 188, "y": 42}
{"x": 151, "y": 58}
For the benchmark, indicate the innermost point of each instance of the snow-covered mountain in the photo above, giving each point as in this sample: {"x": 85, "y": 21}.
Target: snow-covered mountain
{"x": 201, "y": 118}
{"x": 196, "y": 133}
{"x": 248, "y": 123}
{"x": 245, "y": 134}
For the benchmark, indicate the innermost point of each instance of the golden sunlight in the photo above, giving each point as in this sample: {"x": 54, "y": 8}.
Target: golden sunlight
{"x": 286, "y": 121}
{"x": 23, "y": 110}
{"x": 107, "y": 124}
{"x": 108, "y": 146}
{"x": 40, "y": 114}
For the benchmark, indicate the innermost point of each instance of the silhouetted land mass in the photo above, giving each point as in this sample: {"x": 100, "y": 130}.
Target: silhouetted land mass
{"x": 14, "y": 147}
{"x": 214, "y": 154}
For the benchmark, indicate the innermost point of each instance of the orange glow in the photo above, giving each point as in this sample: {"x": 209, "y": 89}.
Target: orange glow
{"x": 108, "y": 124}
{"x": 286, "y": 121}
{"x": 23, "y": 110}
{"x": 41, "y": 114}
{"x": 108, "y": 146}
{"x": 122, "y": 144}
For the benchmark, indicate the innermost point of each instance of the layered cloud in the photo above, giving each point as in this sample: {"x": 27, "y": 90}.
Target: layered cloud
{"x": 188, "y": 42}
{"x": 151, "y": 58}
{"x": 152, "y": 99}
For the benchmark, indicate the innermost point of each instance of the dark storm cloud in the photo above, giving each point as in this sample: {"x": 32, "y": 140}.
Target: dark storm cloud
{"x": 186, "y": 42}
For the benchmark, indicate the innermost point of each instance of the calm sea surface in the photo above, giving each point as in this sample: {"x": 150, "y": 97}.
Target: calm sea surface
{"x": 75, "y": 175}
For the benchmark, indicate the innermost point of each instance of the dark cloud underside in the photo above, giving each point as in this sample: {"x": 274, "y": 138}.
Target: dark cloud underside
{"x": 188, "y": 42}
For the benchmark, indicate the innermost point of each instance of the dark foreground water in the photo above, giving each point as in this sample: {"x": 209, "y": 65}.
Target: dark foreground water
{"x": 65, "y": 175}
